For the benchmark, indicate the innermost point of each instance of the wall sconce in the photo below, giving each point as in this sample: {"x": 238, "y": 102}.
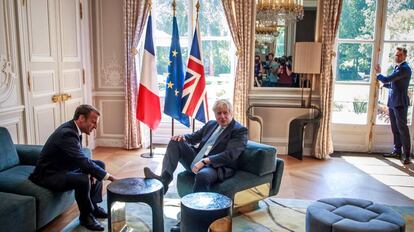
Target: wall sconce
{"x": 307, "y": 60}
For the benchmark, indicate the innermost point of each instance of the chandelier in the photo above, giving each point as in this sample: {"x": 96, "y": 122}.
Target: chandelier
{"x": 266, "y": 34}
{"x": 269, "y": 12}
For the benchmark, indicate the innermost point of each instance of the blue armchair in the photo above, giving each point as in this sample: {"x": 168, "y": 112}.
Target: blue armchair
{"x": 258, "y": 165}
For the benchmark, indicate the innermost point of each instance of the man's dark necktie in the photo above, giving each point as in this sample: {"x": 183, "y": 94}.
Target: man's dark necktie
{"x": 80, "y": 140}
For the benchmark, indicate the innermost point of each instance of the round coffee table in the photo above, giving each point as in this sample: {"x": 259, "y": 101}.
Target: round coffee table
{"x": 199, "y": 210}
{"x": 149, "y": 191}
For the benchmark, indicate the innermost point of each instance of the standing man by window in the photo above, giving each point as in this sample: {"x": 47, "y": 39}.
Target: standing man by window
{"x": 398, "y": 101}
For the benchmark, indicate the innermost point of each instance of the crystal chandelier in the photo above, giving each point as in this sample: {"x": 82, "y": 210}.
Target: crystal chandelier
{"x": 266, "y": 34}
{"x": 269, "y": 12}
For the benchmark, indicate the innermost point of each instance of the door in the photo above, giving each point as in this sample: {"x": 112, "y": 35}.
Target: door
{"x": 52, "y": 60}
{"x": 368, "y": 34}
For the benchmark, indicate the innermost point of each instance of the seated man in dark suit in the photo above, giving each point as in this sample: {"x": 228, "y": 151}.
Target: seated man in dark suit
{"x": 63, "y": 166}
{"x": 220, "y": 143}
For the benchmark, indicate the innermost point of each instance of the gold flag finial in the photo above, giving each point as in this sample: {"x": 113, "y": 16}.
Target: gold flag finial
{"x": 198, "y": 6}
{"x": 150, "y": 6}
{"x": 174, "y": 5}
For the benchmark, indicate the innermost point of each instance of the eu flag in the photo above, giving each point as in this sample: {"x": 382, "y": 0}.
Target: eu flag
{"x": 175, "y": 80}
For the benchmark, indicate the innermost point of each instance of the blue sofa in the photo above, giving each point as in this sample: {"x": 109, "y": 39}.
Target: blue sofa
{"x": 24, "y": 205}
{"x": 257, "y": 165}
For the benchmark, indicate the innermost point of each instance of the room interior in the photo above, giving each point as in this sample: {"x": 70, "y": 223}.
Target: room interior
{"x": 56, "y": 55}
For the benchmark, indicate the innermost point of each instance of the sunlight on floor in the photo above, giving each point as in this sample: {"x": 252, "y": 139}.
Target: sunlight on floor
{"x": 387, "y": 174}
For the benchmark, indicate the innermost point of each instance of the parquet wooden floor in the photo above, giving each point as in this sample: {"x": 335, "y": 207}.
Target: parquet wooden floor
{"x": 355, "y": 175}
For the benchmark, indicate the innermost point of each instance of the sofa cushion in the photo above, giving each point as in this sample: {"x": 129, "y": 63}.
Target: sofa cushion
{"x": 229, "y": 187}
{"x": 258, "y": 158}
{"x": 48, "y": 204}
{"x": 8, "y": 154}
{"x": 17, "y": 213}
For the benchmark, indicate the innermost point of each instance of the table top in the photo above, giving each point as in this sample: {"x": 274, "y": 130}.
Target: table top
{"x": 206, "y": 201}
{"x": 134, "y": 186}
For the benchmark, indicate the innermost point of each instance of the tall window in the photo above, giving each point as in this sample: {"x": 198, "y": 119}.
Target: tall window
{"x": 353, "y": 65}
{"x": 359, "y": 43}
{"x": 399, "y": 31}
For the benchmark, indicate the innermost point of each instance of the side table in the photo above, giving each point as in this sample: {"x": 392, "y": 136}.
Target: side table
{"x": 199, "y": 210}
{"x": 149, "y": 191}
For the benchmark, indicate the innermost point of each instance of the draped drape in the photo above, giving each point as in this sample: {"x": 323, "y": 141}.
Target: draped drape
{"x": 135, "y": 15}
{"x": 239, "y": 17}
{"x": 331, "y": 10}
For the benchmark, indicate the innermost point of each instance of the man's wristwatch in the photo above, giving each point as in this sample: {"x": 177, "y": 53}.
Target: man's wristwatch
{"x": 204, "y": 162}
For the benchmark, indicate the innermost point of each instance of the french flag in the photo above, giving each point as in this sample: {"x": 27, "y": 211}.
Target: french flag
{"x": 148, "y": 103}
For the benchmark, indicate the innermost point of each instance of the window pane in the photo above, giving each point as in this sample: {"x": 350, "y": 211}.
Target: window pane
{"x": 350, "y": 103}
{"x": 163, "y": 13}
{"x": 216, "y": 57}
{"x": 387, "y": 66}
{"x": 212, "y": 19}
{"x": 400, "y": 23}
{"x": 354, "y": 62}
{"x": 217, "y": 65}
{"x": 357, "y": 19}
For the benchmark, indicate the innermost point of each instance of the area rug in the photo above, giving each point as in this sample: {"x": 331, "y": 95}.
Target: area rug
{"x": 274, "y": 214}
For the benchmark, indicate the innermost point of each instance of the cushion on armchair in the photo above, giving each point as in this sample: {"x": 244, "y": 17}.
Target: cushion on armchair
{"x": 8, "y": 157}
{"x": 258, "y": 158}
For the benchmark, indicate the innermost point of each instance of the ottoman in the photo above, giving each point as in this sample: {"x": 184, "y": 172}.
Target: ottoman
{"x": 352, "y": 215}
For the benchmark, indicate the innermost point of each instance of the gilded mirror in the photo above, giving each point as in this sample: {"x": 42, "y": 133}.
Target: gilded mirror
{"x": 274, "y": 46}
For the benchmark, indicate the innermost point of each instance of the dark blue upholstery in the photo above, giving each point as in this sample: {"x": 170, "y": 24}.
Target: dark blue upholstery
{"x": 8, "y": 154}
{"x": 17, "y": 163}
{"x": 257, "y": 165}
{"x": 352, "y": 215}
{"x": 17, "y": 213}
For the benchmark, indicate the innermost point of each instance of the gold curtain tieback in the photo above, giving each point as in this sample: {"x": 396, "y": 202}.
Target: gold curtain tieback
{"x": 134, "y": 51}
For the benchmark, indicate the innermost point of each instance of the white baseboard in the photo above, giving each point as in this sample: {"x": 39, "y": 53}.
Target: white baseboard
{"x": 110, "y": 142}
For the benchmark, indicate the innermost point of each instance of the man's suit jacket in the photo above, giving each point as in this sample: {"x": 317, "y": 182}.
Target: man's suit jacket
{"x": 226, "y": 149}
{"x": 397, "y": 83}
{"x": 62, "y": 152}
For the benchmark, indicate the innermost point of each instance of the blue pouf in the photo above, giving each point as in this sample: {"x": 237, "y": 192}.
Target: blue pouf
{"x": 352, "y": 215}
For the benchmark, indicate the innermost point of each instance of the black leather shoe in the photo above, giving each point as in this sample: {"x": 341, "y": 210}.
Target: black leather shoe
{"x": 394, "y": 154}
{"x": 99, "y": 212}
{"x": 91, "y": 223}
{"x": 406, "y": 159}
{"x": 149, "y": 174}
{"x": 176, "y": 228}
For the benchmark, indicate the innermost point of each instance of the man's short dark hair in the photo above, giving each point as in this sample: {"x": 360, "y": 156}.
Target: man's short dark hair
{"x": 85, "y": 110}
{"x": 403, "y": 50}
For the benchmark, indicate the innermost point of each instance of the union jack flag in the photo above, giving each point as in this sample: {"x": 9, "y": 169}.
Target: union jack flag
{"x": 194, "y": 99}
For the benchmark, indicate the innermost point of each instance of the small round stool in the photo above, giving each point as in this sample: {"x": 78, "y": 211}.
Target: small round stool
{"x": 149, "y": 191}
{"x": 199, "y": 210}
{"x": 352, "y": 215}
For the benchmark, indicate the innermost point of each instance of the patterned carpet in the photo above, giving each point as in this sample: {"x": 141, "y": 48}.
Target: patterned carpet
{"x": 274, "y": 214}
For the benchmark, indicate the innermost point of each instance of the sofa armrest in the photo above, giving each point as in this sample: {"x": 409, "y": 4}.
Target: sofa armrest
{"x": 277, "y": 177}
{"x": 28, "y": 154}
{"x": 258, "y": 158}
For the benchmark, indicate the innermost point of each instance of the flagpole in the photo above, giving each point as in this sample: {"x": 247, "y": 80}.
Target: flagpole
{"x": 172, "y": 119}
{"x": 150, "y": 154}
{"x": 172, "y": 126}
{"x": 193, "y": 125}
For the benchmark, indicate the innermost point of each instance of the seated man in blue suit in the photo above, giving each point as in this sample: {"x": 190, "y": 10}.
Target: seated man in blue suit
{"x": 220, "y": 143}
{"x": 398, "y": 102}
{"x": 63, "y": 166}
